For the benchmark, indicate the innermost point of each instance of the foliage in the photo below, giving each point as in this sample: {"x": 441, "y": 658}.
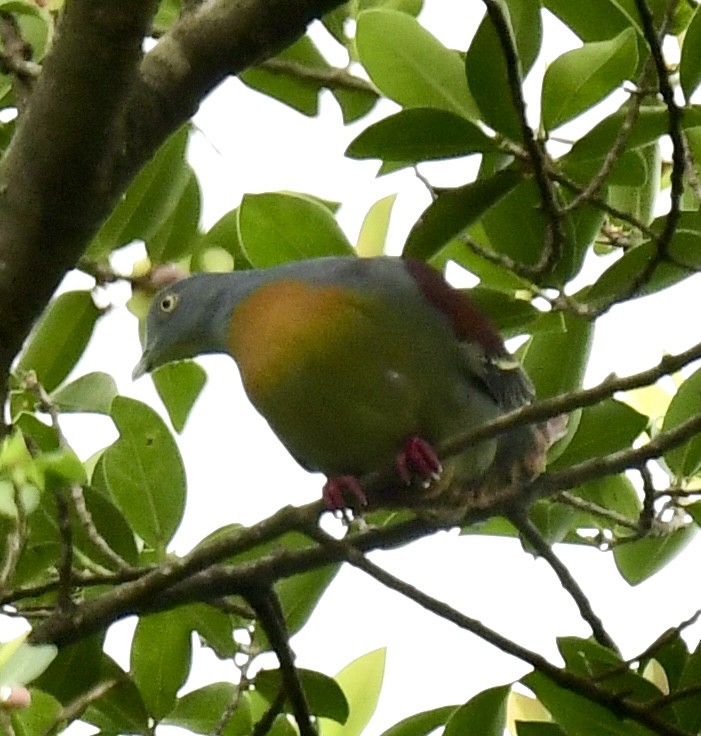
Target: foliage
{"x": 86, "y": 544}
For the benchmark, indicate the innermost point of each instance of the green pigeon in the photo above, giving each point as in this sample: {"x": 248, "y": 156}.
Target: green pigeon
{"x": 360, "y": 365}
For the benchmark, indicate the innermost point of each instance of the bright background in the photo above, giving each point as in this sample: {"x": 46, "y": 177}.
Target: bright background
{"x": 246, "y": 142}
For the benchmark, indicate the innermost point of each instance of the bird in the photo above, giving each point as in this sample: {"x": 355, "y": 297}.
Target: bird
{"x": 360, "y": 365}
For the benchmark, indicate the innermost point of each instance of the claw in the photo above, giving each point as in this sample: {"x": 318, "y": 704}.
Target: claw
{"x": 336, "y": 490}
{"x": 418, "y": 459}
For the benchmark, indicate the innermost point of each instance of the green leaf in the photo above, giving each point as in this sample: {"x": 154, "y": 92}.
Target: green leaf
{"x": 614, "y": 492}
{"x": 60, "y": 338}
{"x": 652, "y": 123}
{"x": 361, "y": 682}
{"x": 25, "y": 661}
{"x": 483, "y": 715}
{"x": 630, "y": 168}
{"x": 486, "y": 69}
{"x": 373, "y": 232}
{"x": 144, "y": 472}
{"x": 639, "y": 201}
{"x": 121, "y": 709}
{"x": 590, "y": 660}
{"x": 168, "y": 12}
{"x": 420, "y": 134}
{"x": 324, "y": 695}
{"x": 673, "y": 655}
{"x": 278, "y": 227}
{"x": 44, "y": 712}
{"x": 603, "y": 428}
{"x": 174, "y": 238}
{"x": 641, "y": 559}
{"x": 223, "y": 235}
{"x": 111, "y": 526}
{"x": 542, "y": 357}
{"x": 61, "y": 467}
{"x": 577, "y": 715}
{"x": 201, "y": 710}
{"x": 454, "y": 210}
{"x": 554, "y": 521}
{"x": 409, "y": 65}
{"x": 28, "y": 493}
{"x": 620, "y": 278}
{"x": 688, "y": 709}
{"x": 412, "y": 7}
{"x": 595, "y": 20}
{"x": 422, "y": 724}
{"x": 516, "y": 226}
{"x": 690, "y": 63}
{"x": 150, "y": 199}
{"x": 44, "y": 436}
{"x": 179, "y": 385}
{"x": 34, "y": 23}
{"x": 161, "y": 653}
{"x": 214, "y": 627}
{"x": 490, "y": 274}
{"x": 538, "y": 728}
{"x": 300, "y": 594}
{"x": 302, "y": 92}
{"x": 509, "y": 315}
{"x": 580, "y": 78}
{"x": 75, "y": 669}
{"x": 92, "y": 392}
{"x": 585, "y": 657}
{"x": 685, "y": 460}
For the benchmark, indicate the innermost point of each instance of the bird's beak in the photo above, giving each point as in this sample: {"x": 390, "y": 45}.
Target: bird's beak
{"x": 142, "y": 367}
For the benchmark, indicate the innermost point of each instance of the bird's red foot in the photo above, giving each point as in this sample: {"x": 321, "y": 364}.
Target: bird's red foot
{"x": 418, "y": 459}
{"x": 338, "y": 490}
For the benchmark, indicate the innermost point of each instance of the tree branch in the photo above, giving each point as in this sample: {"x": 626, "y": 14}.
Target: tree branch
{"x": 537, "y": 156}
{"x": 115, "y": 108}
{"x": 564, "y": 678}
{"x": 53, "y": 199}
{"x": 531, "y": 534}
{"x": 267, "y": 607}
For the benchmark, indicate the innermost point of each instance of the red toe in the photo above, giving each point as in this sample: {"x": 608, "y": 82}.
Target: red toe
{"x": 418, "y": 459}
{"x": 336, "y": 490}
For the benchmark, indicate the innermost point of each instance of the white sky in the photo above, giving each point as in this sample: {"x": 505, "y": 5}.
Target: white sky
{"x": 237, "y": 471}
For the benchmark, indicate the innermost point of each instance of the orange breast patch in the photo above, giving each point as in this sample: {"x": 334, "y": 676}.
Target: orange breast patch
{"x": 279, "y": 323}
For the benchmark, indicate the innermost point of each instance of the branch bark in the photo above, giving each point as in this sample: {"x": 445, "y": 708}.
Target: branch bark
{"x": 98, "y": 112}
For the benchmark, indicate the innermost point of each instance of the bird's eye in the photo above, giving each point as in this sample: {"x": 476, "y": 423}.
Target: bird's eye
{"x": 168, "y": 303}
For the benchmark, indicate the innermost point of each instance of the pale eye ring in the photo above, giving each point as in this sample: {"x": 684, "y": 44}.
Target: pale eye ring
{"x": 168, "y": 303}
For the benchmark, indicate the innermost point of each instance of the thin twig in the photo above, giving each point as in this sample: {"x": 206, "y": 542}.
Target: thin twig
{"x": 561, "y": 178}
{"x": 231, "y": 707}
{"x": 613, "y": 154}
{"x": 678, "y": 146}
{"x": 647, "y": 515}
{"x": 564, "y": 678}
{"x": 72, "y": 710}
{"x": 269, "y": 611}
{"x": 76, "y": 491}
{"x": 616, "y": 462}
{"x": 531, "y": 534}
{"x": 331, "y": 77}
{"x": 268, "y": 718}
{"x": 594, "y": 509}
{"x": 537, "y": 156}
{"x": 65, "y": 569}
{"x": 91, "y": 531}
{"x": 14, "y": 541}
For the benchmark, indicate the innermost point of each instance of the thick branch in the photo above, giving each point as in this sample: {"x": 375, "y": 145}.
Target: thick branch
{"x": 54, "y": 181}
{"x": 98, "y": 113}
